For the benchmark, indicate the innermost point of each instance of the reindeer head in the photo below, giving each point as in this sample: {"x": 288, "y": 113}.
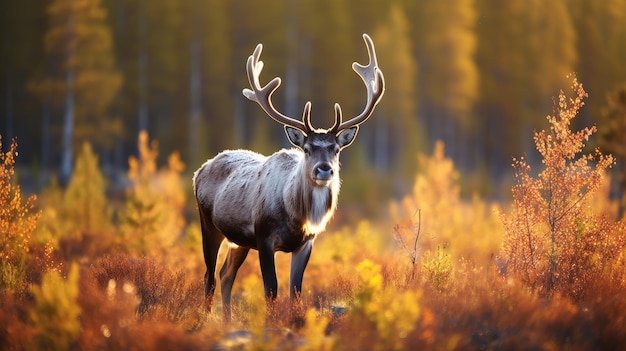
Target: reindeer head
{"x": 321, "y": 147}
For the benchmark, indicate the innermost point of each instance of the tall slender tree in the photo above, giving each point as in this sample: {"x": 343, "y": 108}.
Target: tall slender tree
{"x": 600, "y": 37}
{"x": 525, "y": 53}
{"x": 445, "y": 50}
{"x": 83, "y": 79}
{"x": 612, "y": 138}
{"x": 397, "y": 136}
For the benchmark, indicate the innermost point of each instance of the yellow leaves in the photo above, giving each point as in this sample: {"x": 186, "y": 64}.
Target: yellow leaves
{"x": 348, "y": 244}
{"x": 393, "y": 313}
{"x": 370, "y": 278}
{"x": 438, "y": 268}
{"x": 445, "y": 218}
{"x": 153, "y": 215}
{"x": 315, "y": 332}
{"x": 85, "y": 204}
{"x": 253, "y": 304}
{"x": 56, "y": 310}
{"x": 143, "y": 167}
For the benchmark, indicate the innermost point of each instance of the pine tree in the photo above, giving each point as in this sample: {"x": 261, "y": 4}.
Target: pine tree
{"x": 82, "y": 80}
{"x": 397, "y": 135}
{"x": 612, "y": 133}
{"x": 527, "y": 49}
{"x": 152, "y": 220}
{"x": 599, "y": 36}
{"x": 445, "y": 47}
{"x": 85, "y": 203}
{"x": 142, "y": 215}
{"x": 56, "y": 312}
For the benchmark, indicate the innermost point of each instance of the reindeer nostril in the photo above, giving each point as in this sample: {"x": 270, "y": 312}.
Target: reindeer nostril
{"x": 324, "y": 167}
{"x": 324, "y": 171}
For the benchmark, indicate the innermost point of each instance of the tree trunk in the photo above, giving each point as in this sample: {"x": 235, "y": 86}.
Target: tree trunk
{"x": 142, "y": 73}
{"x": 195, "y": 92}
{"x": 46, "y": 144}
{"x": 9, "y": 108}
{"x": 68, "y": 129}
{"x": 291, "y": 79}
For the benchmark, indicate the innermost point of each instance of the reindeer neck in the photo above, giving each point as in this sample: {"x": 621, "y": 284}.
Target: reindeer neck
{"x": 313, "y": 205}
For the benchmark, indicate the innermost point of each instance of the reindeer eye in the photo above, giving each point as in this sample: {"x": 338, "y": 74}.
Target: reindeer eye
{"x": 307, "y": 150}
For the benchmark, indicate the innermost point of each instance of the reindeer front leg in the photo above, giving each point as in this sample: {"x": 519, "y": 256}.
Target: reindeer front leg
{"x": 299, "y": 260}
{"x": 268, "y": 268}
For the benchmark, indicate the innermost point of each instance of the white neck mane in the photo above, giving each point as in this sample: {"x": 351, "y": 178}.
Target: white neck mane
{"x": 321, "y": 207}
{"x": 317, "y": 204}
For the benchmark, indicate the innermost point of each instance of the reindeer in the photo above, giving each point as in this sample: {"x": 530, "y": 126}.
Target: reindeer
{"x": 280, "y": 202}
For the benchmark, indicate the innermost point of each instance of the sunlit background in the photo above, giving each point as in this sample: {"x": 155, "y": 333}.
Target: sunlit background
{"x": 466, "y": 220}
{"x": 479, "y": 75}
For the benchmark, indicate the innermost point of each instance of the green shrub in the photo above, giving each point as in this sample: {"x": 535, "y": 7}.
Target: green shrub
{"x": 56, "y": 310}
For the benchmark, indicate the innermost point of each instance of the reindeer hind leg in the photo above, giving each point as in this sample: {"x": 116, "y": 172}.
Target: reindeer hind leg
{"x": 234, "y": 259}
{"x": 211, "y": 240}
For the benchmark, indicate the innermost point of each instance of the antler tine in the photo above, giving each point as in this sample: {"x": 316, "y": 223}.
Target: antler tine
{"x": 374, "y": 81}
{"x": 306, "y": 116}
{"x": 263, "y": 95}
{"x": 338, "y": 117}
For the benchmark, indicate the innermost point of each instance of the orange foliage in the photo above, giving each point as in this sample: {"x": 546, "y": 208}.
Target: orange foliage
{"x": 554, "y": 240}
{"x": 17, "y": 222}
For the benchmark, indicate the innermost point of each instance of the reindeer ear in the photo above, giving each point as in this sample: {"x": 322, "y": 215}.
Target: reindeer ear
{"x": 295, "y": 136}
{"x": 347, "y": 136}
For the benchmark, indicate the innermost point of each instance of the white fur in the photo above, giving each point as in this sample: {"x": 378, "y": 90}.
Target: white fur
{"x": 319, "y": 213}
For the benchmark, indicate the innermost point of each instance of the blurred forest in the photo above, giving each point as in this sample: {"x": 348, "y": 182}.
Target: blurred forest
{"x": 472, "y": 73}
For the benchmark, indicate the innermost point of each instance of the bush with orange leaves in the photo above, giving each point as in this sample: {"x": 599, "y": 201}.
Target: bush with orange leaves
{"x": 554, "y": 242}
{"x": 17, "y": 222}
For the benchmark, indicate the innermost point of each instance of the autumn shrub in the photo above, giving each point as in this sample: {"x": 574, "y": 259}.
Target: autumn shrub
{"x": 77, "y": 220}
{"x": 142, "y": 215}
{"x": 333, "y": 258}
{"x": 554, "y": 241}
{"x": 487, "y": 311}
{"x": 55, "y": 314}
{"x": 114, "y": 315}
{"x": 437, "y": 269}
{"x": 50, "y": 227}
{"x": 16, "y": 330}
{"x": 86, "y": 205}
{"x": 385, "y": 315}
{"x": 316, "y": 332}
{"x": 467, "y": 228}
{"x": 152, "y": 220}
{"x": 162, "y": 294}
{"x": 18, "y": 220}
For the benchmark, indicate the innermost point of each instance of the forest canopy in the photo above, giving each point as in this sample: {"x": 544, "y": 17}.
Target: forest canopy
{"x": 472, "y": 73}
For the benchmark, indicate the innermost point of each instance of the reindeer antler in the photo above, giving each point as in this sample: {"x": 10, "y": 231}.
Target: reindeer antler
{"x": 263, "y": 95}
{"x": 371, "y": 75}
{"x": 374, "y": 81}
